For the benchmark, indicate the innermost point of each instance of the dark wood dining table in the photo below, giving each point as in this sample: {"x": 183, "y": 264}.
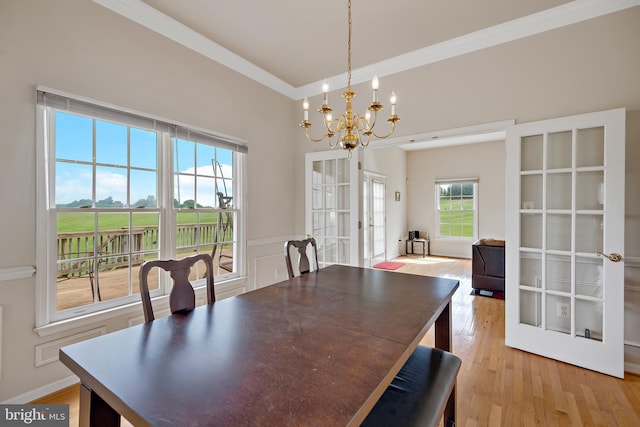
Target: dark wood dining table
{"x": 316, "y": 350}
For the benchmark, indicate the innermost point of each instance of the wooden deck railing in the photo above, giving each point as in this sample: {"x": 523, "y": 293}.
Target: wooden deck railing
{"x": 77, "y": 252}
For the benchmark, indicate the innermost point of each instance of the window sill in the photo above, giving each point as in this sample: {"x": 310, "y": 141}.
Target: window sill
{"x": 124, "y": 311}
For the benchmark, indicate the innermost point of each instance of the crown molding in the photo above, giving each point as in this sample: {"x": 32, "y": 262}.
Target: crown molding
{"x": 567, "y": 14}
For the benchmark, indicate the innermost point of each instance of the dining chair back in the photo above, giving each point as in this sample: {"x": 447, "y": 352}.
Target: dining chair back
{"x": 182, "y": 297}
{"x": 303, "y": 265}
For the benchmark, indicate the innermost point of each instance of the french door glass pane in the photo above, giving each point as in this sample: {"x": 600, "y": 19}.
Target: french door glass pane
{"x": 531, "y": 153}
{"x": 589, "y": 275}
{"x": 589, "y": 190}
{"x": 330, "y": 172}
{"x": 531, "y": 230}
{"x": 559, "y": 150}
{"x": 589, "y": 315}
{"x": 589, "y": 233}
{"x": 591, "y": 144}
{"x": 317, "y": 173}
{"x": 530, "y": 269}
{"x": 343, "y": 197}
{"x": 558, "y": 273}
{"x": 559, "y": 232}
{"x": 558, "y": 313}
{"x": 530, "y": 308}
{"x": 531, "y": 191}
{"x": 558, "y": 191}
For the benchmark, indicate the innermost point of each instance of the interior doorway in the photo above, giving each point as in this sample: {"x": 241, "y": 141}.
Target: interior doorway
{"x": 374, "y": 216}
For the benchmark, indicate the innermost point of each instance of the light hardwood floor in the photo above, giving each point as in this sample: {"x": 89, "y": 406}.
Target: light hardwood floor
{"x": 497, "y": 385}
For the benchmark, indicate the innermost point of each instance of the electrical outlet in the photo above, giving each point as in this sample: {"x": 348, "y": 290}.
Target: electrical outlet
{"x": 562, "y": 310}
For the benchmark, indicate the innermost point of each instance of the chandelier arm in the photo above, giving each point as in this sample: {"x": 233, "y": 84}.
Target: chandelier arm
{"x": 310, "y": 138}
{"x": 366, "y": 144}
{"x": 393, "y": 128}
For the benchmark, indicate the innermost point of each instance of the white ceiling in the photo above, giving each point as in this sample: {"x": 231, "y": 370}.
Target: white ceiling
{"x": 292, "y": 45}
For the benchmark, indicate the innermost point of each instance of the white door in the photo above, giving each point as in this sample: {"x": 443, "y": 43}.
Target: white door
{"x": 332, "y": 206}
{"x": 564, "y": 210}
{"x": 374, "y": 215}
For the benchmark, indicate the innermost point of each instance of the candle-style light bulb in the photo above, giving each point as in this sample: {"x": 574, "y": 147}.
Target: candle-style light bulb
{"x": 374, "y": 85}
{"x": 305, "y": 107}
{"x": 328, "y": 118}
{"x": 393, "y": 103}
{"x": 325, "y": 90}
{"x": 367, "y": 117}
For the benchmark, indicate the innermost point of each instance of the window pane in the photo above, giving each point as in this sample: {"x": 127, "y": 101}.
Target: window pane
{"x": 74, "y": 137}
{"x": 111, "y": 187}
{"x": 73, "y": 185}
{"x": 206, "y": 195}
{"x": 205, "y": 158}
{"x": 183, "y": 156}
{"x": 111, "y": 143}
{"x": 185, "y": 191}
{"x": 146, "y": 224}
{"x": 75, "y": 265}
{"x": 144, "y": 189}
{"x": 144, "y": 149}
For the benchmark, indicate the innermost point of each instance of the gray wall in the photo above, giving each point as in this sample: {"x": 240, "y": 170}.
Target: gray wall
{"x": 82, "y": 48}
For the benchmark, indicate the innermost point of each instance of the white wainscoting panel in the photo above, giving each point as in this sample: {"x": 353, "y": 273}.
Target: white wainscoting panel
{"x": 269, "y": 269}
{"x": 48, "y": 352}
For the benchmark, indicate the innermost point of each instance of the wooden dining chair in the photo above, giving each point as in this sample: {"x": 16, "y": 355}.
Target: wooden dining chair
{"x": 303, "y": 264}
{"x": 182, "y": 297}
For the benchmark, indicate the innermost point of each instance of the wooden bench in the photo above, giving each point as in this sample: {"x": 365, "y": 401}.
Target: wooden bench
{"x": 419, "y": 394}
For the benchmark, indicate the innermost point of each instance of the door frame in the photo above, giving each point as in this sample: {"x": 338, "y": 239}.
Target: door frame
{"x": 368, "y": 179}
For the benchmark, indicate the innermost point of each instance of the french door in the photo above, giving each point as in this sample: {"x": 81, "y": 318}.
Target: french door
{"x": 565, "y": 230}
{"x": 332, "y": 206}
{"x": 374, "y": 218}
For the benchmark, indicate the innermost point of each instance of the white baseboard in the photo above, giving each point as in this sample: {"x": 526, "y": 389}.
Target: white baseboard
{"x": 632, "y": 368}
{"x": 39, "y": 392}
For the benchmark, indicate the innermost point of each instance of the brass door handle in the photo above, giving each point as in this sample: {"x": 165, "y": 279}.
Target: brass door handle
{"x": 614, "y": 257}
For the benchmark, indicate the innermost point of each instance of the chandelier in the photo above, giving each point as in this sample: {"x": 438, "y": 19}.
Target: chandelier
{"x": 349, "y": 129}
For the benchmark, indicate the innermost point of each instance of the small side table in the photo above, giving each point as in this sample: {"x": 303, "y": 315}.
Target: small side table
{"x": 426, "y": 249}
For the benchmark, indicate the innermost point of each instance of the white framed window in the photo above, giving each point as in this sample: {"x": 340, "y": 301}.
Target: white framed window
{"x": 117, "y": 188}
{"x": 457, "y": 209}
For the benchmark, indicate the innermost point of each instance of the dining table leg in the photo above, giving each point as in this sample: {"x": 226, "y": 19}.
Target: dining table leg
{"x": 443, "y": 337}
{"x": 95, "y": 412}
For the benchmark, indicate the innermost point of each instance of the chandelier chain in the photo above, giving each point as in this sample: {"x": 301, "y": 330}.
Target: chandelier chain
{"x": 349, "y": 51}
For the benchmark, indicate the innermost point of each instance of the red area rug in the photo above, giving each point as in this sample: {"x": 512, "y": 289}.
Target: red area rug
{"x": 389, "y": 265}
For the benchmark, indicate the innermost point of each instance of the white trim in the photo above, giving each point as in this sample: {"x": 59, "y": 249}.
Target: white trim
{"x": 566, "y": 14}
{"x": 13, "y": 273}
{"x": 486, "y": 132}
{"x": 632, "y": 368}
{"x": 45, "y": 390}
{"x": 271, "y": 240}
{"x": 42, "y": 349}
